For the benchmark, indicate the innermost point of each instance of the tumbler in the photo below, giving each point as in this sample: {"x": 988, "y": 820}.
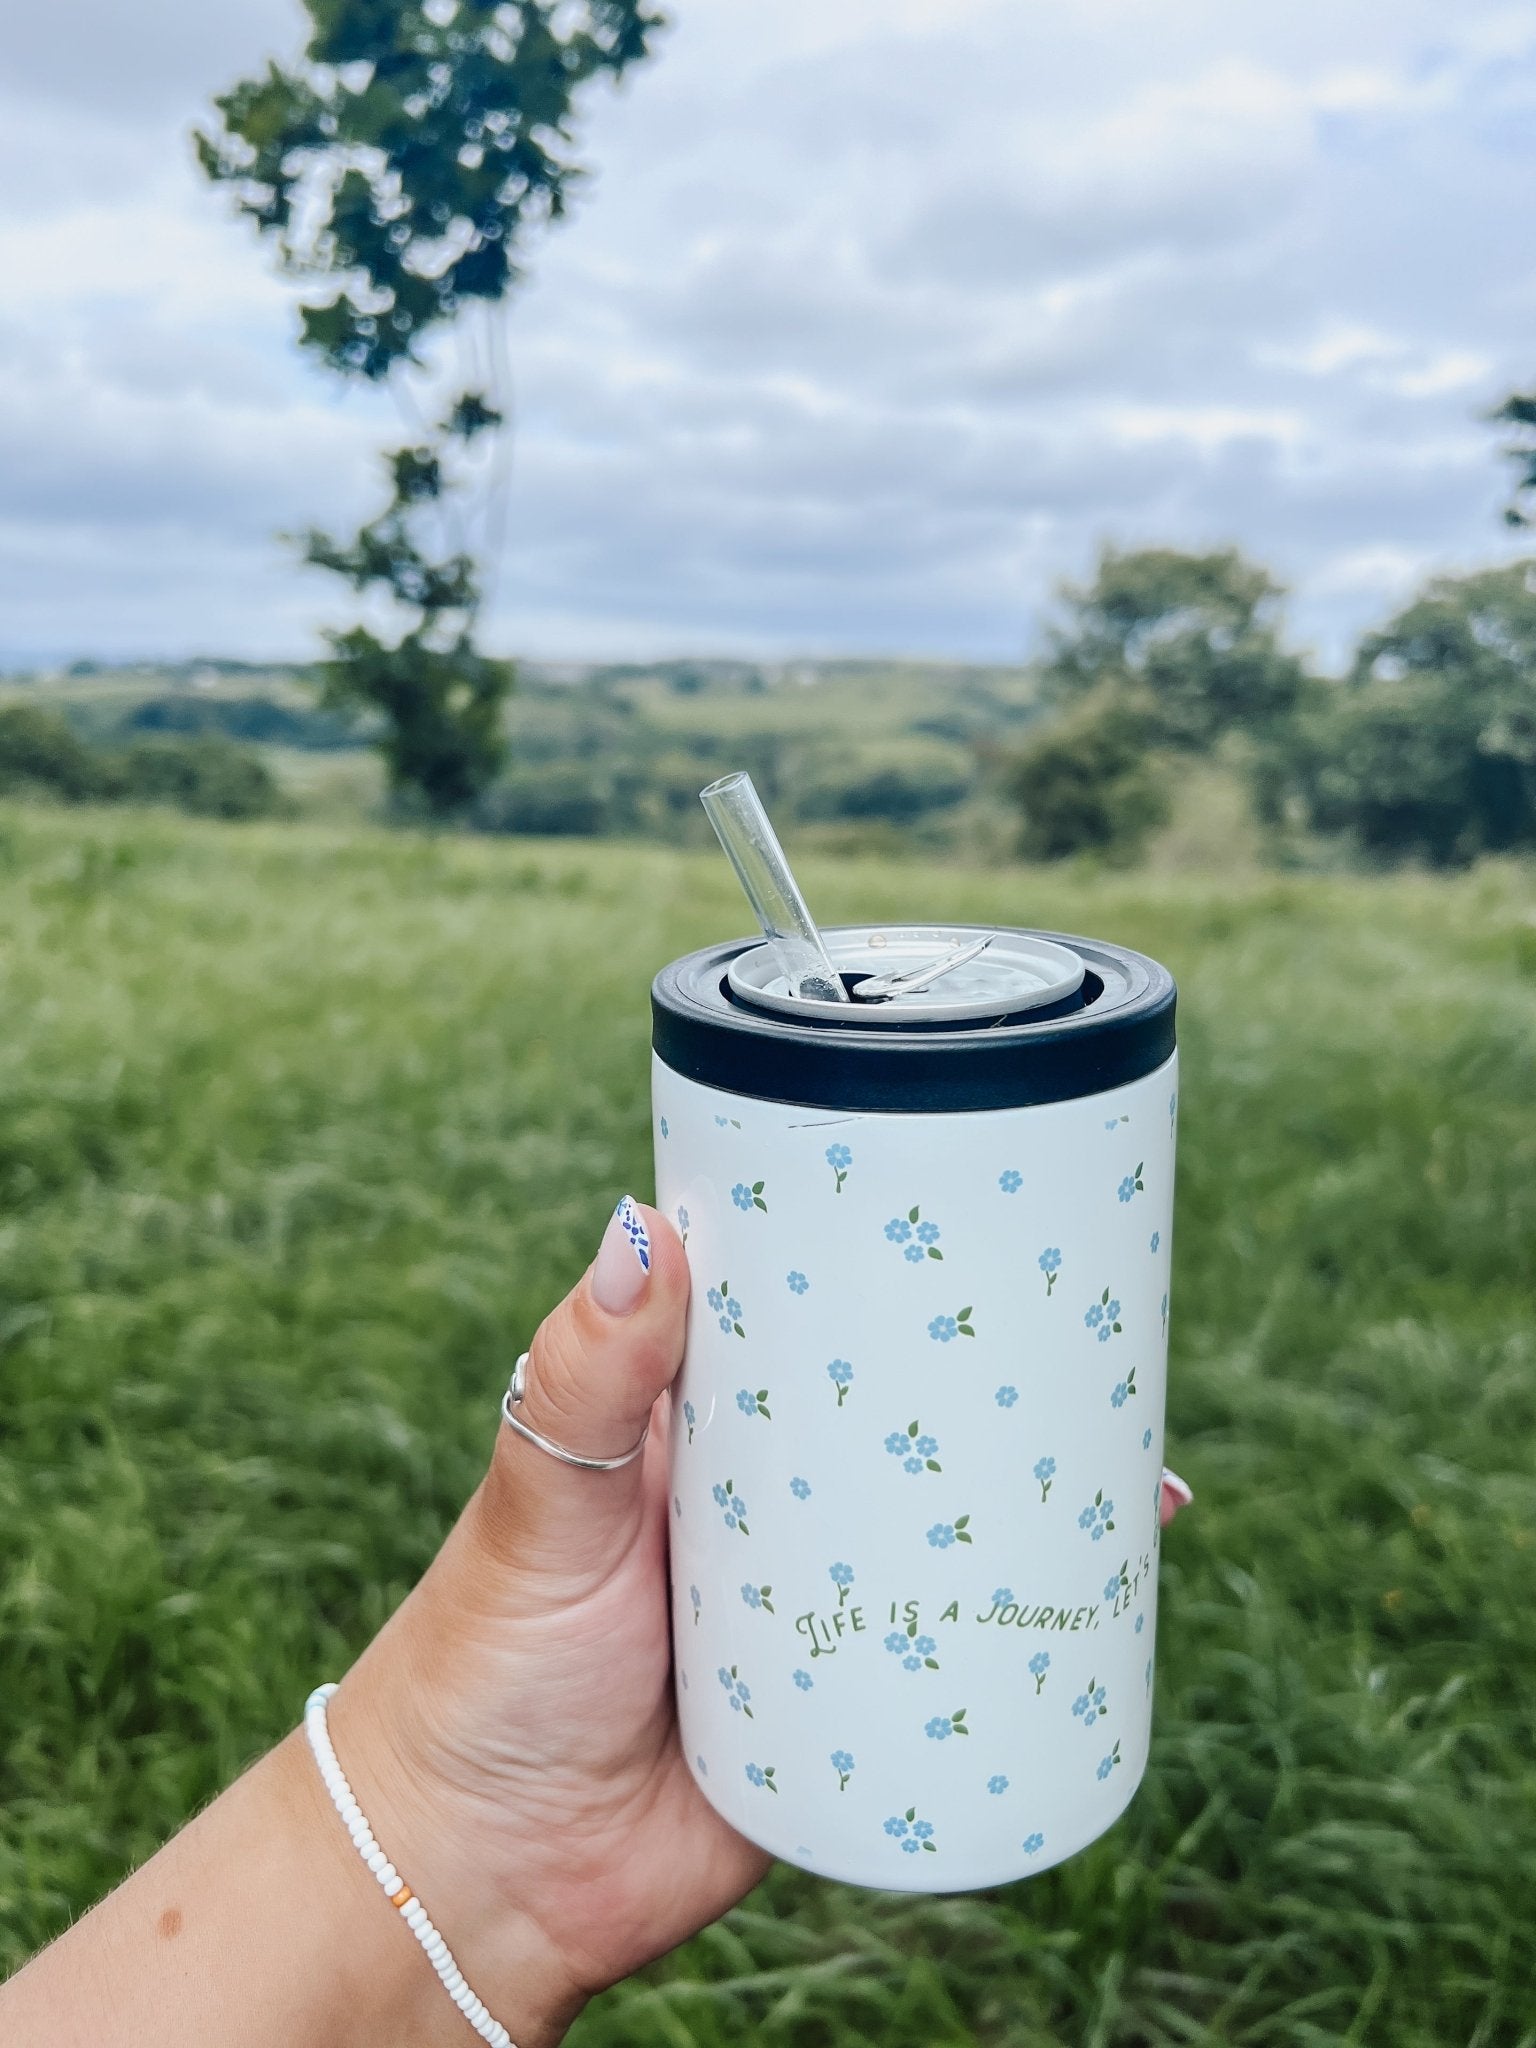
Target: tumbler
{"x": 917, "y": 1439}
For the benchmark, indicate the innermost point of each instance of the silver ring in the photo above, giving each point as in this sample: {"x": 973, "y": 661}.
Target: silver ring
{"x": 512, "y": 1398}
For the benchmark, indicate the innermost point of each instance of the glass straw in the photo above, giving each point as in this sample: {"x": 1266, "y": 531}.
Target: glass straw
{"x": 752, "y": 847}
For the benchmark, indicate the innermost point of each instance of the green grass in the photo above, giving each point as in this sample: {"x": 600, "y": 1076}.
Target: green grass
{"x": 300, "y": 1131}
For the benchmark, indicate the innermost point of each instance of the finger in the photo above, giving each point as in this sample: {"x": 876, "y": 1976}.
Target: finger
{"x": 595, "y": 1368}
{"x": 1176, "y": 1494}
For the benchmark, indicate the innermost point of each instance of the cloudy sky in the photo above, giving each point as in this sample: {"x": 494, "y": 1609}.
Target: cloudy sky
{"x": 877, "y": 319}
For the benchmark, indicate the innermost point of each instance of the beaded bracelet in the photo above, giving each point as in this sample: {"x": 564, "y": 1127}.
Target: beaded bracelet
{"x": 394, "y": 1887}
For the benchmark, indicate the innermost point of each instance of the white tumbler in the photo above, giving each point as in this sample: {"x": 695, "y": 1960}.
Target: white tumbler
{"x": 917, "y": 1440}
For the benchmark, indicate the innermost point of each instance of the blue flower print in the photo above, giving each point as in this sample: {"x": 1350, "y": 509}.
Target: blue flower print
{"x": 898, "y": 1230}
{"x": 1146, "y": 1439}
{"x": 1002, "y": 1596}
{"x": 896, "y": 1642}
{"x": 1157, "y": 1238}
{"x": 913, "y": 1254}
{"x": 804, "y": 1680}
{"x": 747, "y": 1198}
{"x": 922, "y": 1830}
{"x": 690, "y": 1418}
{"x": 1093, "y": 1316}
{"x": 925, "y": 1647}
{"x": 927, "y": 1233}
{"x": 1123, "y": 1390}
{"x": 761, "y": 1774}
{"x": 719, "y": 1493}
{"x": 1132, "y": 1184}
{"x": 1089, "y": 1706}
{"x": 942, "y": 1726}
{"x": 726, "y": 1307}
{"x": 902, "y": 1229}
{"x": 1103, "y": 1316}
{"x": 1097, "y": 1516}
{"x": 913, "y": 1464}
{"x": 735, "y": 1507}
{"x": 896, "y": 1825}
{"x": 896, "y": 1444}
{"x": 736, "y": 1691}
{"x": 1109, "y": 1762}
{"x": 917, "y": 1451}
{"x": 682, "y": 1222}
{"x": 944, "y": 1329}
{"x": 757, "y": 1596}
{"x": 1006, "y": 1396}
{"x": 1045, "y": 1472}
{"x": 842, "y": 1763}
{"x": 1141, "y": 1622}
{"x": 703, "y": 1768}
{"x": 942, "y": 1534}
{"x": 1112, "y": 1588}
{"x": 911, "y": 1845}
{"x": 912, "y": 1662}
{"x": 665, "y": 1130}
{"x": 1039, "y": 1665}
{"x": 840, "y": 1373}
{"x": 913, "y": 1834}
{"x": 1033, "y": 1844}
{"x": 698, "y": 1601}
{"x": 1049, "y": 1263}
{"x": 997, "y": 1783}
{"x": 926, "y": 1446}
{"x": 800, "y": 1488}
{"x": 754, "y": 1404}
{"x": 1011, "y": 1181}
{"x": 839, "y": 1158}
{"x": 841, "y": 1576}
{"x": 796, "y": 1282}
{"x": 1165, "y": 1315}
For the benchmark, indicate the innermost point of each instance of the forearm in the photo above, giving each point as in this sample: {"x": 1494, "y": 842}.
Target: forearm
{"x": 257, "y": 1923}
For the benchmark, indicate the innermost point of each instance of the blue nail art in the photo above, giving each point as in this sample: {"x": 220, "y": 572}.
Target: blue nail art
{"x": 634, "y": 1230}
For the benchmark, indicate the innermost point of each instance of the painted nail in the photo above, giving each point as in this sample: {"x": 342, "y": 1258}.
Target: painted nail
{"x": 1177, "y": 1493}
{"x": 623, "y": 1260}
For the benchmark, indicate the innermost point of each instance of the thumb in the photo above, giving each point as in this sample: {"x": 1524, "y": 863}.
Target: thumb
{"x": 595, "y": 1368}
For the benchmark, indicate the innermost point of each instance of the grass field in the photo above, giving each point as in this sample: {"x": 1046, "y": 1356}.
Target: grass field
{"x": 301, "y": 1130}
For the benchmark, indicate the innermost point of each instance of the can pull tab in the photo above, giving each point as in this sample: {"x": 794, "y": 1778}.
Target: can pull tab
{"x": 916, "y": 980}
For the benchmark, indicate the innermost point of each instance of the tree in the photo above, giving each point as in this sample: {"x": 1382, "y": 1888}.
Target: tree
{"x": 1428, "y": 751}
{"x": 1197, "y": 635}
{"x": 399, "y": 166}
{"x": 1086, "y": 782}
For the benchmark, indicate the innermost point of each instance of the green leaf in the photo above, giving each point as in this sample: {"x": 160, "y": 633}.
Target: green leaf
{"x": 741, "y": 1525}
{"x": 738, "y": 1329}
{"x": 912, "y": 1215}
{"x": 934, "y": 1252}
{"x": 931, "y": 1848}
{"x": 934, "y": 1465}
{"x": 762, "y": 1393}
{"x": 962, "y": 1521}
{"x": 961, "y": 1536}
{"x": 758, "y": 1186}
{"x": 963, "y": 1313}
{"x": 1104, "y": 1296}
{"x": 759, "y": 1203}
{"x": 911, "y": 1813}
{"x": 911, "y": 1429}
{"x": 1116, "y": 1328}
{"x": 932, "y": 1663}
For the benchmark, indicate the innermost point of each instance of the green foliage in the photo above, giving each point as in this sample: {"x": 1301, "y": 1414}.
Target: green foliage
{"x": 206, "y": 774}
{"x": 1087, "y": 781}
{"x": 39, "y": 751}
{"x": 1429, "y": 751}
{"x": 288, "y": 1160}
{"x": 399, "y": 166}
{"x": 256, "y": 719}
{"x": 1197, "y": 635}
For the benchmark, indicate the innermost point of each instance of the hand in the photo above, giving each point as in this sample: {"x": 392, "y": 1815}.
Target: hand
{"x": 511, "y": 1733}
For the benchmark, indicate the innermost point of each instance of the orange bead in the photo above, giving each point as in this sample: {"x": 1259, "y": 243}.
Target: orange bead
{"x": 402, "y": 1898}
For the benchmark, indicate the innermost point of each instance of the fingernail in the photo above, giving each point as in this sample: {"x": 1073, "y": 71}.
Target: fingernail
{"x": 623, "y": 1260}
{"x": 1178, "y": 1490}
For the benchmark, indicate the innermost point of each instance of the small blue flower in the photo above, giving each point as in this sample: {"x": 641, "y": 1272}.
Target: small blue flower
{"x": 725, "y": 1324}
{"x": 725, "y": 1678}
{"x": 1106, "y": 1767}
{"x": 755, "y": 1774}
{"x": 896, "y": 1825}
{"x": 840, "y": 1574}
{"x": 842, "y": 1760}
{"x": 839, "y": 1156}
{"x": 1033, "y": 1843}
{"x": 702, "y": 1767}
{"x": 840, "y": 1371}
{"x": 925, "y": 1646}
{"x": 752, "y": 1596}
{"x": 1098, "y": 1697}
{"x": 913, "y": 1255}
{"x": 716, "y": 1300}
{"x": 998, "y": 1783}
{"x": 911, "y": 1662}
{"x": 1128, "y": 1187}
{"x": 720, "y": 1496}
{"x": 1006, "y": 1396}
{"x": 1157, "y": 1238}
{"x": 1106, "y": 1331}
{"x": 1141, "y": 1622}
{"x": 696, "y": 1597}
{"x": 688, "y": 1415}
{"x": 800, "y": 1488}
{"x": 1112, "y": 1588}
{"x": 1049, "y": 1260}
{"x": 896, "y": 1642}
{"x": 1093, "y": 1316}
{"x": 1080, "y": 1706}
{"x": 939, "y": 1728}
{"x": 682, "y": 1220}
{"x": 1110, "y": 1125}
{"x": 913, "y": 1464}
{"x": 927, "y": 1447}
{"x": 898, "y": 1230}
{"x": 804, "y": 1680}
{"x": 796, "y": 1282}
{"x": 1112, "y": 1312}
{"x": 733, "y": 1310}
{"x": 665, "y": 1132}
{"x": 1085, "y": 1519}
{"x": 922, "y": 1829}
{"x": 1146, "y": 1439}
{"x": 746, "y": 1402}
{"x": 1045, "y": 1468}
{"x": 943, "y": 1328}
{"x": 1003, "y": 1597}
{"x": 1011, "y": 1181}
{"x": 911, "y": 1846}
{"x": 941, "y": 1535}
{"x": 927, "y": 1233}
{"x": 1040, "y": 1663}
{"x": 896, "y": 1443}
{"x": 1118, "y": 1397}
{"x": 741, "y": 1195}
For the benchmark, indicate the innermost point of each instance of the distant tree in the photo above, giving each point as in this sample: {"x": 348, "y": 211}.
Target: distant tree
{"x": 1087, "y": 782}
{"x": 399, "y": 165}
{"x": 1197, "y": 635}
{"x": 1519, "y": 411}
{"x": 1428, "y": 751}
{"x": 39, "y": 751}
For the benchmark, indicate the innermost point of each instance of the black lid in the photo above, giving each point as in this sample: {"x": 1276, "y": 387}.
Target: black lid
{"x": 1123, "y": 1030}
